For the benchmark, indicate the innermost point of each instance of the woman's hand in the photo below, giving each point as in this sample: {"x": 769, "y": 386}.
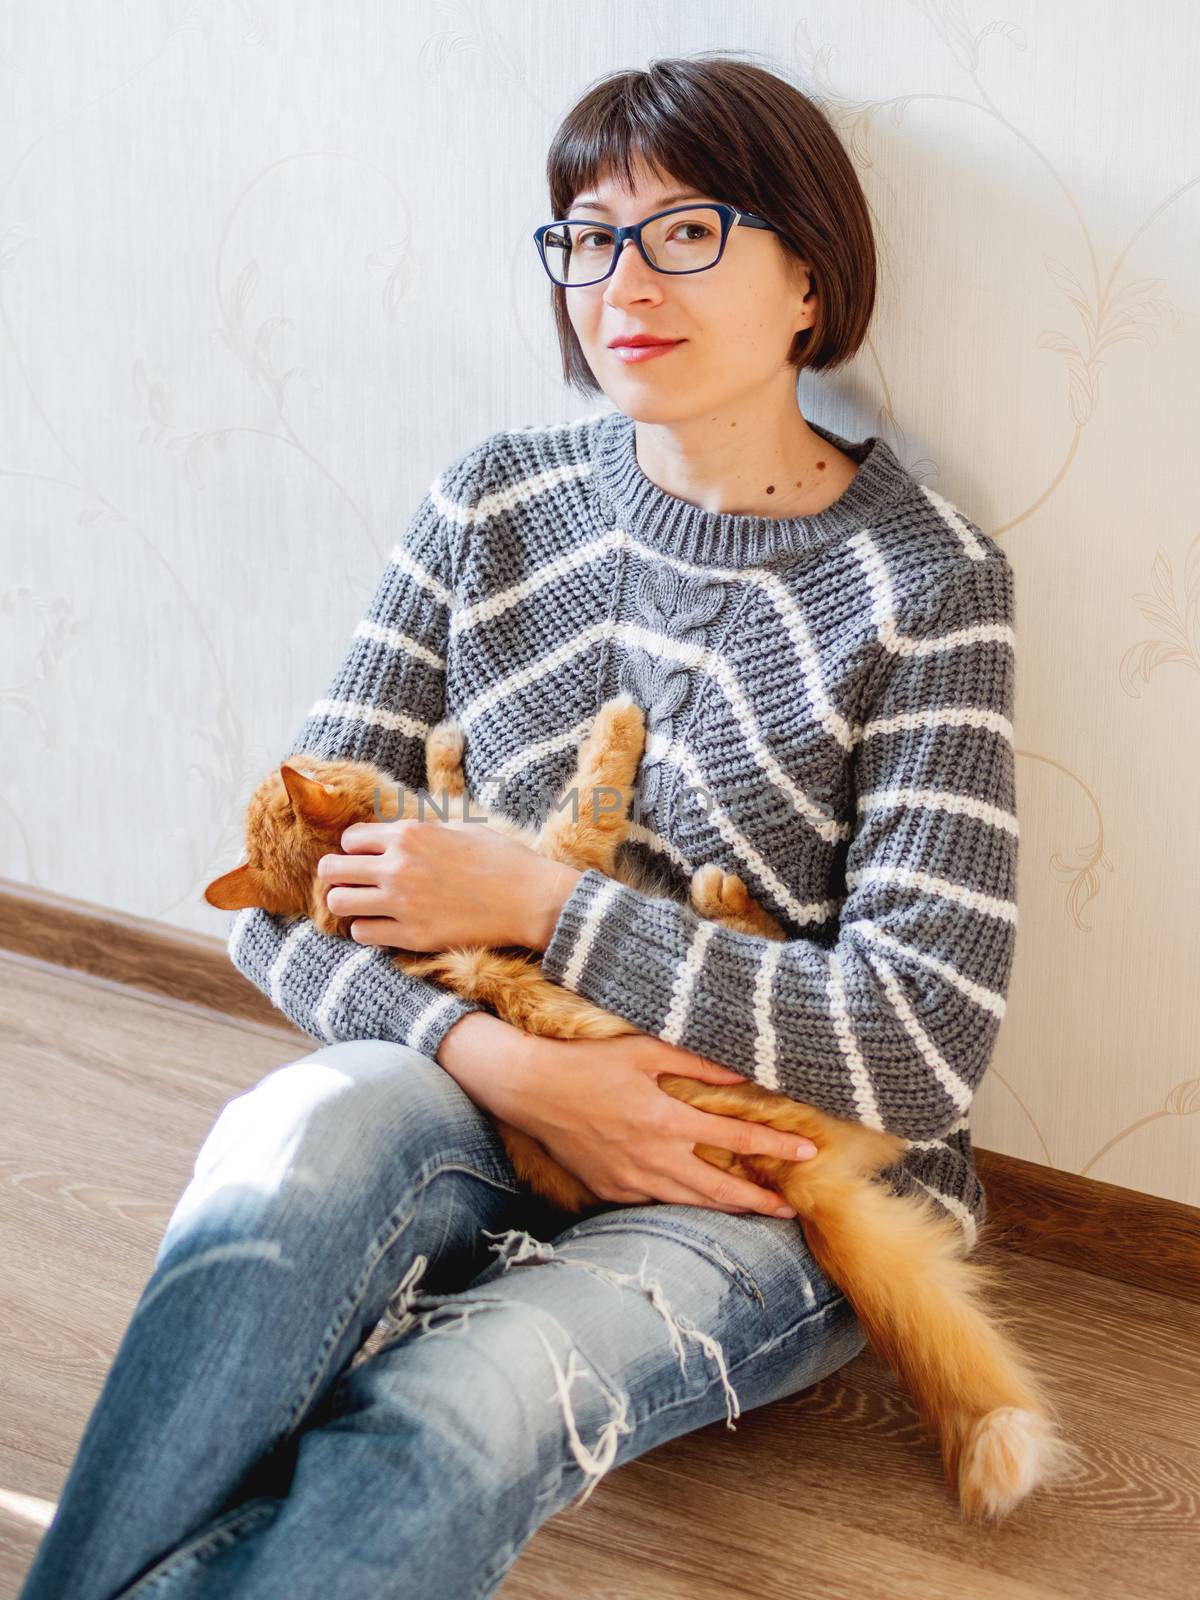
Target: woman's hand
{"x": 595, "y": 1106}
{"x": 427, "y": 885}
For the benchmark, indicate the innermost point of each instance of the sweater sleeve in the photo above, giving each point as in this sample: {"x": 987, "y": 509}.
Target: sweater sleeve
{"x": 384, "y": 697}
{"x": 892, "y": 1021}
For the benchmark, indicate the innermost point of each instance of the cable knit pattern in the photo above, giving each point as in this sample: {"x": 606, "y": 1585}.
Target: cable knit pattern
{"x": 829, "y": 703}
{"x": 678, "y": 608}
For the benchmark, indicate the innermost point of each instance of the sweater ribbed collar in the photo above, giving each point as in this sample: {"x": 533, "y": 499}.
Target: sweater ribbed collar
{"x": 629, "y": 500}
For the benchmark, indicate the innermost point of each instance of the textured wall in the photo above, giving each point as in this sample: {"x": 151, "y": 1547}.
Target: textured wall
{"x": 232, "y": 358}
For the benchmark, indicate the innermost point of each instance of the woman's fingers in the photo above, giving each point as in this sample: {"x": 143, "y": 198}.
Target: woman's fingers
{"x": 719, "y": 1192}
{"x": 362, "y": 868}
{"x": 713, "y": 1188}
{"x": 346, "y": 902}
{"x": 673, "y": 1193}
{"x": 726, "y": 1192}
{"x": 743, "y": 1137}
{"x": 693, "y": 1066}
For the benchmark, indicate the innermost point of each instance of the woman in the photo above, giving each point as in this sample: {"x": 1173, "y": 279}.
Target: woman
{"x": 825, "y": 653}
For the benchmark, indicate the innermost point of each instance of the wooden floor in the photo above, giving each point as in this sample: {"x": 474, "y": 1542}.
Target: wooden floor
{"x": 104, "y": 1098}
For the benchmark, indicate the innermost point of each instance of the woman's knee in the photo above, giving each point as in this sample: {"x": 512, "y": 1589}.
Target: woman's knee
{"x": 320, "y": 1130}
{"x": 318, "y": 1110}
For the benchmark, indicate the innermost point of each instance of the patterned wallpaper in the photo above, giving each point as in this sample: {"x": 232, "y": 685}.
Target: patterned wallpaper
{"x": 238, "y": 339}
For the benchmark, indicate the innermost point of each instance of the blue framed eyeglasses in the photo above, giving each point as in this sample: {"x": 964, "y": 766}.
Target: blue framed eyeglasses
{"x": 577, "y": 252}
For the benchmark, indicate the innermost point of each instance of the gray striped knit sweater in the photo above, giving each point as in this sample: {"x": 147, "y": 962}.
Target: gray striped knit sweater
{"x": 829, "y": 703}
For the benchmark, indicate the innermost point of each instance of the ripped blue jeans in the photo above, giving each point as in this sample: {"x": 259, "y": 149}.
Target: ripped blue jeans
{"x": 239, "y": 1448}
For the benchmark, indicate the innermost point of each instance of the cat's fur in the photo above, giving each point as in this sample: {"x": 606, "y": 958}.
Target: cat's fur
{"x": 923, "y": 1304}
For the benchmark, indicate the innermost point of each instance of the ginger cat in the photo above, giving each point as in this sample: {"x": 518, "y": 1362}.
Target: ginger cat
{"x": 921, "y": 1302}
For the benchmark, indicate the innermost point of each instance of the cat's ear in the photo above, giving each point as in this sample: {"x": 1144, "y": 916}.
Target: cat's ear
{"x": 312, "y": 801}
{"x": 244, "y": 886}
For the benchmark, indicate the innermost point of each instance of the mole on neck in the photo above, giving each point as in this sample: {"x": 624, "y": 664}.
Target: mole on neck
{"x": 799, "y": 483}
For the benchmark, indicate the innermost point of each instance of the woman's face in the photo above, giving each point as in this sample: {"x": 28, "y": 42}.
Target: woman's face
{"x": 737, "y": 320}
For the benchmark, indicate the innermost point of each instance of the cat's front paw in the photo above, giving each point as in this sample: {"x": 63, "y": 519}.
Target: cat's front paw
{"x": 446, "y": 739}
{"x": 717, "y": 893}
{"x": 620, "y": 720}
{"x": 444, "y": 745}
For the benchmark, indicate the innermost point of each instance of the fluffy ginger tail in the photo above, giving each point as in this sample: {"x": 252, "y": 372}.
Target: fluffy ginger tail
{"x": 924, "y": 1308}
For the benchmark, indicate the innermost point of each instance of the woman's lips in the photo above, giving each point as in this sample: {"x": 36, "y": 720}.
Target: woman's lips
{"x": 630, "y": 353}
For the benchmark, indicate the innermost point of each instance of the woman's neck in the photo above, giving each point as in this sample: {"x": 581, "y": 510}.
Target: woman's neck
{"x": 793, "y": 473}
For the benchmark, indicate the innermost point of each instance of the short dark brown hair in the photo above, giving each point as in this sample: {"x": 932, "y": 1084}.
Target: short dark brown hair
{"x": 732, "y": 129}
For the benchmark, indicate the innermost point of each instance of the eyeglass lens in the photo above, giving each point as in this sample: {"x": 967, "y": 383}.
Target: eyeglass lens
{"x": 684, "y": 241}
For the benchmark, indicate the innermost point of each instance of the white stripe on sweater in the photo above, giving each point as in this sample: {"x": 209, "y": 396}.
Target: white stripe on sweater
{"x": 514, "y": 494}
{"x": 638, "y": 832}
{"x": 960, "y": 894}
{"x": 956, "y": 1208}
{"x": 586, "y": 935}
{"x": 878, "y": 580}
{"x": 959, "y": 1092}
{"x": 822, "y": 709}
{"x": 396, "y": 640}
{"x": 402, "y": 558}
{"x": 465, "y": 617}
{"x": 986, "y": 999}
{"x": 938, "y": 1144}
{"x": 432, "y": 1013}
{"x": 521, "y": 677}
{"x": 323, "y": 1010}
{"x": 863, "y": 1089}
{"x": 955, "y": 805}
{"x": 956, "y": 522}
{"x": 956, "y": 639}
{"x": 766, "y": 1047}
{"x": 939, "y": 717}
{"x": 883, "y": 603}
{"x": 676, "y": 754}
{"x": 379, "y": 716}
{"x": 298, "y": 936}
{"x": 687, "y": 971}
{"x": 766, "y": 1042}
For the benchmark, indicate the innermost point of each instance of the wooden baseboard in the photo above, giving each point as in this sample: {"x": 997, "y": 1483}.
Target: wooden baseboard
{"x": 1117, "y": 1233}
{"x": 134, "y": 951}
